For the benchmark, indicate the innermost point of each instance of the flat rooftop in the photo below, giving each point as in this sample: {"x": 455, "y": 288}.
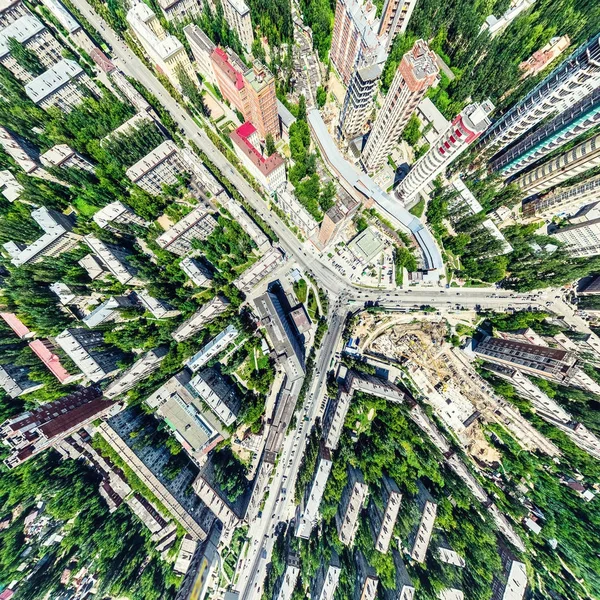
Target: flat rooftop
{"x": 52, "y": 80}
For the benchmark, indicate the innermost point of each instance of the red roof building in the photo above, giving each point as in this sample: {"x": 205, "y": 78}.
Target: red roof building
{"x": 16, "y": 325}
{"x": 44, "y": 350}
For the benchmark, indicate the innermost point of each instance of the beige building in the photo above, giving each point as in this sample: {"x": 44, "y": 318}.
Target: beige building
{"x": 177, "y": 10}
{"x": 31, "y": 33}
{"x": 237, "y": 15}
{"x": 202, "y": 47}
{"x": 159, "y": 167}
{"x": 197, "y": 225}
{"x": 10, "y": 11}
{"x": 395, "y": 17}
{"x": 76, "y": 32}
{"x": 166, "y": 51}
{"x": 63, "y": 157}
{"x": 62, "y": 86}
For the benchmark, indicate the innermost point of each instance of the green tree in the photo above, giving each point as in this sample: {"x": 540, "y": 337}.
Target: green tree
{"x": 412, "y": 131}
{"x": 25, "y": 57}
{"x": 270, "y": 145}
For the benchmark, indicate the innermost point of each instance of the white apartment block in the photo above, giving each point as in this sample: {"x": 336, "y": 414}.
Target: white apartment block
{"x": 423, "y": 534}
{"x": 31, "y": 33}
{"x": 216, "y": 345}
{"x": 140, "y": 369}
{"x": 159, "y": 167}
{"x": 58, "y": 238}
{"x": 17, "y": 152}
{"x": 194, "y": 165}
{"x": 581, "y": 237}
{"x": 207, "y": 313}
{"x": 197, "y": 273}
{"x": 114, "y": 260}
{"x": 86, "y": 348}
{"x": 117, "y": 212}
{"x": 207, "y": 493}
{"x": 383, "y": 521}
{"x": 265, "y": 265}
{"x": 197, "y": 225}
{"x": 65, "y": 18}
{"x": 166, "y": 51}
{"x": 295, "y": 212}
{"x": 367, "y": 581}
{"x": 10, "y": 188}
{"x": 289, "y": 579}
{"x": 135, "y": 98}
{"x": 202, "y": 47}
{"x": 63, "y": 157}
{"x": 353, "y": 498}
{"x": 220, "y": 397}
{"x": 107, "y": 312}
{"x": 327, "y": 579}
{"x": 178, "y": 10}
{"x": 61, "y": 86}
{"x": 237, "y": 15}
{"x": 245, "y": 221}
{"x": 128, "y": 126}
{"x": 157, "y": 308}
{"x": 10, "y": 11}
{"x": 404, "y": 589}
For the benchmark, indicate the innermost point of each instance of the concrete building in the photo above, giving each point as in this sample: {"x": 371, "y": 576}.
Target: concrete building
{"x": 581, "y": 158}
{"x": 197, "y": 273}
{"x": 433, "y": 122}
{"x": 64, "y": 85}
{"x": 46, "y": 352}
{"x": 194, "y": 426}
{"x": 10, "y": 11}
{"x": 207, "y": 313}
{"x": 246, "y": 222}
{"x": 214, "y": 347}
{"x": 573, "y": 79}
{"x": 184, "y": 556}
{"x": 17, "y": 151}
{"x": 219, "y": 395}
{"x": 286, "y": 346}
{"x": 262, "y": 268}
{"x": 591, "y": 287}
{"x": 10, "y": 188}
{"x": 417, "y": 72}
{"x": 196, "y": 225}
{"x": 567, "y": 126}
{"x": 298, "y": 216}
{"x": 327, "y": 579}
{"x": 354, "y": 41}
{"x": 309, "y": 506}
{"x": 286, "y": 120}
{"x": 511, "y": 584}
{"x": 229, "y": 74}
{"x": 394, "y": 18}
{"x": 404, "y": 589}
{"x": 19, "y": 328}
{"x": 202, "y": 47}
{"x": 367, "y": 581}
{"x": 383, "y": 519}
{"x": 158, "y": 168}
{"x": 148, "y": 464}
{"x": 541, "y": 58}
{"x": 447, "y": 555}
{"x": 287, "y": 584}
{"x": 86, "y": 348}
{"x": 165, "y": 51}
{"x": 237, "y": 14}
{"x": 15, "y": 380}
{"x": 495, "y": 26}
{"x": 353, "y": 499}
{"x": 563, "y": 201}
{"x": 117, "y": 213}
{"x": 126, "y": 88}
{"x": 37, "y": 430}
{"x": 581, "y": 237}
{"x": 268, "y": 171}
{"x": 419, "y": 540}
{"x": 107, "y": 312}
{"x": 115, "y": 260}
{"x": 180, "y": 10}
{"x": 359, "y": 102}
{"x": 31, "y": 33}
{"x": 76, "y": 33}
{"x": 140, "y": 369}
{"x": 367, "y": 245}
{"x": 463, "y": 131}
{"x": 159, "y": 309}
{"x": 61, "y": 156}
{"x": 58, "y": 238}
{"x": 335, "y": 219}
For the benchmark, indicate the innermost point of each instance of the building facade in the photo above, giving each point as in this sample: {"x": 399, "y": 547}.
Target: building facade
{"x": 417, "y": 72}
{"x": 202, "y": 47}
{"x": 117, "y": 213}
{"x": 353, "y": 498}
{"x": 115, "y": 260}
{"x": 207, "y": 313}
{"x": 196, "y": 272}
{"x": 63, "y": 157}
{"x": 179, "y": 10}
{"x": 394, "y": 18}
{"x": 214, "y": 347}
{"x": 197, "y": 225}
{"x": 359, "y": 102}
{"x": 237, "y": 15}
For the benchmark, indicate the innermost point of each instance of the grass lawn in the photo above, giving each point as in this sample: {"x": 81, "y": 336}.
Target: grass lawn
{"x": 84, "y": 208}
{"x": 418, "y": 209}
{"x": 300, "y": 289}
{"x": 311, "y": 307}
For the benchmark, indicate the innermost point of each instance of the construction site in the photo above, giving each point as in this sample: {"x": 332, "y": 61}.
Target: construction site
{"x": 444, "y": 376}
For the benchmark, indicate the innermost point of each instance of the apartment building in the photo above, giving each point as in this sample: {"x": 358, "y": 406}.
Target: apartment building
{"x": 287, "y": 584}
{"x": 383, "y": 518}
{"x": 354, "y": 42}
{"x": 196, "y": 272}
{"x": 327, "y": 579}
{"x": 33, "y": 35}
{"x": 180, "y": 10}
{"x": 113, "y": 259}
{"x": 286, "y": 345}
{"x": 421, "y": 536}
{"x": 472, "y": 121}
{"x": 65, "y": 85}
{"x": 197, "y": 225}
{"x": 261, "y": 269}
{"x": 367, "y": 580}
{"x": 158, "y": 168}
{"x": 45, "y": 350}
{"x": 15, "y": 381}
{"x": 237, "y": 14}
{"x": 107, "y": 312}
{"x": 126, "y": 88}
{"x": 148, "y": 464}
{"x": 10, "y": 11}
{"x": 139, "y": 370}
{"x": 63, "y": 157}
{"x": 404, "y": 589}
{"x": 246, "y": 222}
{"x": 417, "y": 72}
{"x": 298, "y": 216}
{"x": 309, "y": 506}
{"x": 268, "y": 171}
{"x": 37, "y": 430}
{"x": 353, "y": 499}
{"x": 159, "y": 309}
{"x": 87, "y": 349}
{"x": 202, "y": 47}
{"x": 18, "y": 152}
{"x": 394, "y": 18}
{"x": 218, "y": 393}
{"x": 511, "y": 583}
{"x": 165, "y": 51}
{"x": 76, "y": 33}
{"x": 58, "y": 238}
{"x": 10, "y": 188}
{"x": 214, "y": 347}
{"x": 581, "y": 237}
{"x": 229, "y": 73}
{"x": 359, "y": 102}
{"x": 541, "y": 58}
{"x": 196, "y": 428}
{"x": 116, "y": 213}
{"x": 207, "y": 313}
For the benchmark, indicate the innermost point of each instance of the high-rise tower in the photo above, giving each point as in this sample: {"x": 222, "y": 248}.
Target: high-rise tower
{"x": 394, "y": 18}
{"x": 465, "y": 129}
{"x": 358, "y": 101}
{"x": 573, "y": 79}
{"x": 416, "y": 73}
